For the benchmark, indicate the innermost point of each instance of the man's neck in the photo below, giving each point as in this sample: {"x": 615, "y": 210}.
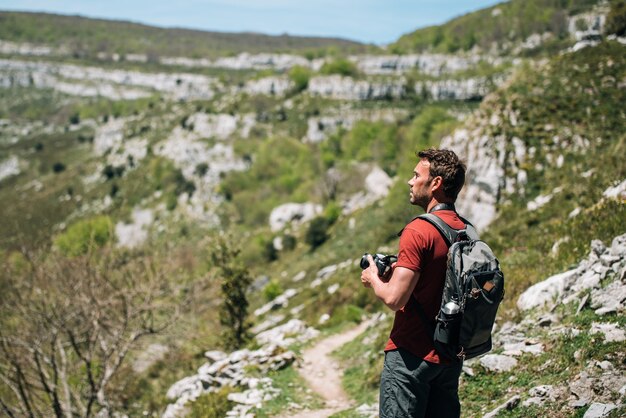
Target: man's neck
{"x": 444, "y": 205}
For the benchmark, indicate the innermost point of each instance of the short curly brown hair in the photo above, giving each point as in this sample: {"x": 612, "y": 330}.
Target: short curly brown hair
{"x": 448, "y": 166}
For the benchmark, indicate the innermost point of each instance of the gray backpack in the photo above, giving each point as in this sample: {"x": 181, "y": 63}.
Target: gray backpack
{"x": 473, "y": 290}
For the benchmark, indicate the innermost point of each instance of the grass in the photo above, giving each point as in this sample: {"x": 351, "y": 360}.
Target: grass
{"x": 293, "y": 391}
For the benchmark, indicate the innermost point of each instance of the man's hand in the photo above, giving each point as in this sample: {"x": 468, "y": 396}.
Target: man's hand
{"x": 395, "y": 290}
{"x": 370, "y": 273}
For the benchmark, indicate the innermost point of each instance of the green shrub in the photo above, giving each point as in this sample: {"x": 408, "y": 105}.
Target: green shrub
{"x": 373, "y": 141}
{"x": 419, "y": 133}
{"x": 317, "y": 233}
{"x": 58, "y": 167}
{"x": 75, "y": 118}
{"x": 85, "y": 235}
{"x": 340, "y": 66}
{"x": 300, "y": 76}
{"x": 332, "y": 211}
{"x": 272, "y": 290}
{"x": 212, "y": 405}
{"x": 201, "y": 169}
{"x": 269, "y": 251}
{"x": 289, "y": 242}
{"x": 616, "y": 19}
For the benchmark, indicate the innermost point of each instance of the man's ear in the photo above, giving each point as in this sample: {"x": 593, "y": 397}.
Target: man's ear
{"x": 437, "y": 183}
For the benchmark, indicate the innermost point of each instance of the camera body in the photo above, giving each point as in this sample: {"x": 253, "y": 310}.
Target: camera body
{"x": 383, "y": 263}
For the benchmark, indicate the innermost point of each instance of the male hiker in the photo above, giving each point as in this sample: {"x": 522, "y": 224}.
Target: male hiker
{"x": 416, "y": 381}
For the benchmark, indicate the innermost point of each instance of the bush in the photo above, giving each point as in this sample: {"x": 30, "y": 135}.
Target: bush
{"x": 289, "y": 242}
{"x": 340, "y": 66}
{"x": 300, "y": 76}
{"x": 332, "y": 211}
{"x": 58, "y": 167}
{"x": 201, "y": 169}
{"x": 616, "y": 19}
{"x": 75, "y": 119}
{"x": 212, "y": 405}
{"x": 317, "y": 233}
{"x": 272, "y": 290}
{"x": 84, "y": 236}
{"x": 269, "y": 251}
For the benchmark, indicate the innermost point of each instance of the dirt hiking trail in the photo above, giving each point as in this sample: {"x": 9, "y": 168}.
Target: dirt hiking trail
{"x": 323, "y": 374}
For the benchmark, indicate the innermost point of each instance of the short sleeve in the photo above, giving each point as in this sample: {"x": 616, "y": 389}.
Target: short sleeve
{"x": 410, "y": 252}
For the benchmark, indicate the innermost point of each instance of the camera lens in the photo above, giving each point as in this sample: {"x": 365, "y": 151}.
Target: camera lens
{"x": 364, "y": 262}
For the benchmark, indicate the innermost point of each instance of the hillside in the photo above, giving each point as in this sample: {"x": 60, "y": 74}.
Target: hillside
{"x": 146, "y": 201}
{"x": 84, "y": 37}
{"x": 504, "y": 27}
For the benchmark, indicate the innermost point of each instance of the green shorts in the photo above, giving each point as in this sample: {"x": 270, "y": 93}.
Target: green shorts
{"x": 411, "y": 387}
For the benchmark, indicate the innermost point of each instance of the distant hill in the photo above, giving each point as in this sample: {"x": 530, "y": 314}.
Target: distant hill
{"x": 512, "y": 21}
{"x": 85, "y": 37}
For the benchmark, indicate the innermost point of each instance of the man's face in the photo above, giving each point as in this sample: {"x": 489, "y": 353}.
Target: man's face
{"x": 420, "y": 193}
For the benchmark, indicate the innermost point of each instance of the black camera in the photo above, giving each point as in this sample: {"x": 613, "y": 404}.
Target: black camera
{"x": 383, "y": 263}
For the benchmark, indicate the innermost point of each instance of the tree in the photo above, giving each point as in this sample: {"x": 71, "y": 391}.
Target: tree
{"x": 67, "y": 326}
{"x": 235, "y": 280}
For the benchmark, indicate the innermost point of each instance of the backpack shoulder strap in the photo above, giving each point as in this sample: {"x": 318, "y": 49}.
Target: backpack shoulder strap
{"x": 449, "y": 234}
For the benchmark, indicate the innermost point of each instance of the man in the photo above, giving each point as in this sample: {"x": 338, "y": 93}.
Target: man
{"x": 416, "y": 381}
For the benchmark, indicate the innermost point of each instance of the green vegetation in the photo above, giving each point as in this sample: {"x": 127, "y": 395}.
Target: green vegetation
{"x": 565, "y": 97}
{"x": 514, "y": 21}
{"x": 67, "y": 197}
{"x": 212, "y": 405}
{"x": 340, "y": 66}
{"x": 616, "y": 19}
{"x": 85, "y": 235}
{"x": 88, "y": 37}
{"x": 300, "y": 77}
{"x": 235, "y": 280}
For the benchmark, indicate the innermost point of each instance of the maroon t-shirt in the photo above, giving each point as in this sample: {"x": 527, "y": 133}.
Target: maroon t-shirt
{"x": 423, "y": 250}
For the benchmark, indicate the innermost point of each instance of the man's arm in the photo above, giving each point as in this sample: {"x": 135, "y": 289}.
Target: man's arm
{"x": 396, "y": 292}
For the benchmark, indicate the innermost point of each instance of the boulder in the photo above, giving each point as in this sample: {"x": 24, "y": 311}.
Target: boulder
{"x": 9, "y": 167}
{"x": 293, "y": 213}
{"x": 498, "y": 362}
{"x": 599, "y": 410}
{"x": 547, "y": 291}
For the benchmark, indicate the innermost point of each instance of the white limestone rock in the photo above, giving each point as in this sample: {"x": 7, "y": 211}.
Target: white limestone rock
{"x": 346, "y": 88}
{"x": 616, "y": 192}
{"x": 114, "y": 84}
{"x": 109, "y": 136}
{"x": 547, "y": 291}
{"x": 9, "y": 167}
{"x": 294, "y": 214}
{"x": 270, "y": 86}
{"x": 135, "y": 233}
{"x": 377, "y": 185}
{"x": 468, "y": 89}
{"x": 509, "y": 405}
{"x": 498, "y": 362}
{"x": 517, "y": 349}
{"x": 611, "y": 331}
{"x": 293, "y": 331}
{"x": 609, "y": 299}
{"x": 599, "y": 410}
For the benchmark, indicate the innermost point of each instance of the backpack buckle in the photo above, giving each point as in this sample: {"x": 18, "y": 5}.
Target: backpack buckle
{"x": 474, "y": 293}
